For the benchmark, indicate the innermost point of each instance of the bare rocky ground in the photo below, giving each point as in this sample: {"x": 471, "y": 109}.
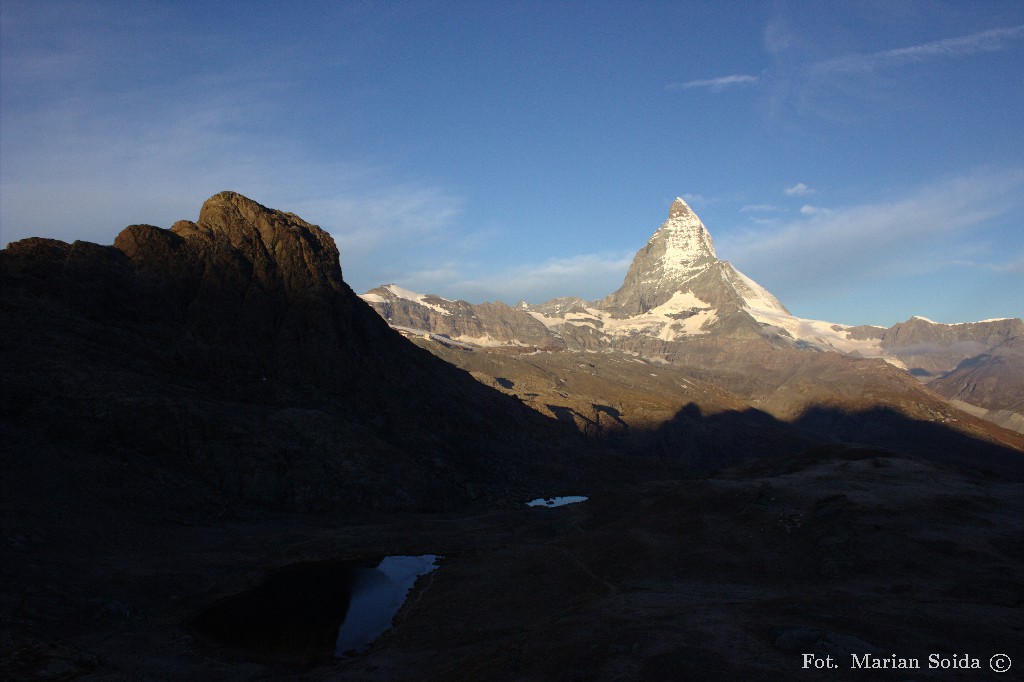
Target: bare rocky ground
{"x": 835, "y": 552}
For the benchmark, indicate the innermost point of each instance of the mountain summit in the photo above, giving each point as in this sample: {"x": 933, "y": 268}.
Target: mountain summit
{"x": 680, "y": 258}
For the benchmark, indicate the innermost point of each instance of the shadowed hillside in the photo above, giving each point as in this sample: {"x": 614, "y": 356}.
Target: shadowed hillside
{"x": 231, "y": 351}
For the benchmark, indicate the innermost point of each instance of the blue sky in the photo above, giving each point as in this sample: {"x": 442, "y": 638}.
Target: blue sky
{"x": 864, "y": 161}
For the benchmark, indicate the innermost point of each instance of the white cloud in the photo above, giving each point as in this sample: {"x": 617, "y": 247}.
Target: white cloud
{"x": 798, "y": 190}
{"x": 984, "y": 41}
{"x": 716, "y": 84}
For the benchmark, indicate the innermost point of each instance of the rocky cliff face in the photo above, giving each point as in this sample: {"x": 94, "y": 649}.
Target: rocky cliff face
{"x": 993, "y": 380}
{"x": 229, "y": 355}
{"x": 936, "y": 348}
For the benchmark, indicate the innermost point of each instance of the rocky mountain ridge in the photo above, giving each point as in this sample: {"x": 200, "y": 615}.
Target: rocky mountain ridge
{"x": 679, "y": 297}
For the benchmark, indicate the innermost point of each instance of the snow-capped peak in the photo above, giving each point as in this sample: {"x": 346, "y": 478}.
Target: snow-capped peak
{"x": 678, "y": 253}
{"x": 435, "y": 303}
{"x": 686, "y": 239}
{"x": 401, "y": 292}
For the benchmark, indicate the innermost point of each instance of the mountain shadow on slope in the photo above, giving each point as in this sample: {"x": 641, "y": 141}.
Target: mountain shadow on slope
{"x": 700, "y": 441}
{"x": 728, "y": 438}
{"x": 722, "y": 439}
{"x": 887, "y": 428}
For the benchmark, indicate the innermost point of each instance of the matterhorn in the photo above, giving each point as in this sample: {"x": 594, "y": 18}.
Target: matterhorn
{"x": 680, "y": 259}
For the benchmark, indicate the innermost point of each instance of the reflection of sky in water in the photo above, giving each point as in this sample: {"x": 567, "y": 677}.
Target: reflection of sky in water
{"x": 377, "y": 594}
{"x": 556, "y": 501}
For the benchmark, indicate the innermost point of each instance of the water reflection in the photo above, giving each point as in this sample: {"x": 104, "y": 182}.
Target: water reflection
{"x": 377, "y": 594}
{"x": 556, "y": 501}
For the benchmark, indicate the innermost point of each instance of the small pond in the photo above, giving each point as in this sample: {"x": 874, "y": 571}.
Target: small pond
{"x": 377, "y": 594}
{"x": 556, "y": 501}
{"x": 313, "y": 610}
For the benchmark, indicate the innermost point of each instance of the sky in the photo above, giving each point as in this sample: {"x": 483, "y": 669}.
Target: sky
{"x": 864, "y": 161}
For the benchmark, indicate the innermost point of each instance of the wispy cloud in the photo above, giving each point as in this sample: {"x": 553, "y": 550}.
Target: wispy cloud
{"x": 777, "y": 37}
{"x": 798, "y": 190}
{"x": 586, "y": 275}
{"x": 384, "y": 216}
{"x": 830, "y": 250}
{"x": 984, "y": 41}
{"x": 716, "y": 84}
{"x": 760, "y": 208}
{"x": 1013, "y": 267}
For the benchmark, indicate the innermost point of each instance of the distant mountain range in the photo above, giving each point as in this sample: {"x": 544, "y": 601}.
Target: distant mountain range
{"x": 680, "y": 304}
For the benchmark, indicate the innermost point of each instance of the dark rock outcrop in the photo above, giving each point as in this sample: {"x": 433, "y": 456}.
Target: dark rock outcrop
{"x": 229, "y": 353}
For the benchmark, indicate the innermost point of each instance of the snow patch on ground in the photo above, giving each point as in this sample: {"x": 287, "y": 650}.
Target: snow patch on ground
{"x": 683, "y": 314}
{"x": 960, "y": 324}
{"x": 825, "y": 335}
{"x": 486, "y": 340}
{"x": 755, "y": 295}
{"x": 661, "y": 322}
{"x": 549, "y": 322}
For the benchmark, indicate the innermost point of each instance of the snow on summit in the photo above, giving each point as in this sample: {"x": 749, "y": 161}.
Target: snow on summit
{"x": 688, "y": 237}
